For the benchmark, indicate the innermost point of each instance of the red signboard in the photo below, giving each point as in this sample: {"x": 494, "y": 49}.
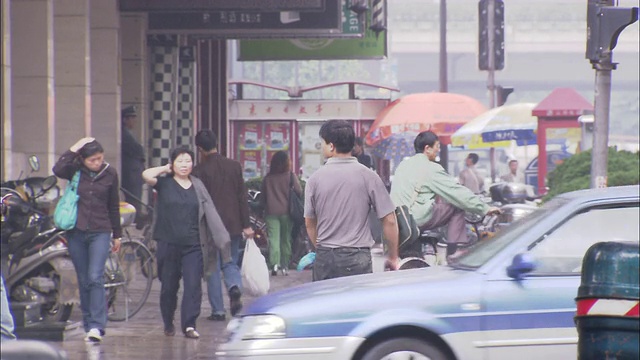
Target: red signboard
{"x": 250, "y": 136}
{"x": 251, "y": 162}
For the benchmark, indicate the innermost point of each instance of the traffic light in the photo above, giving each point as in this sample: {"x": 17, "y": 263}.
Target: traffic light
{"x": 502, "y": 93}
{"x": 498, "y": 35}
{"x": 604, "y": 25}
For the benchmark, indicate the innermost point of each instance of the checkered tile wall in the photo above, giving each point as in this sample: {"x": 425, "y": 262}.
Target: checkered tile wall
{"x": 163, "y": 65}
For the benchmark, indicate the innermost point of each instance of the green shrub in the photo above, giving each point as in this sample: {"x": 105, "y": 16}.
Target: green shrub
{"x": 623, "y": 168}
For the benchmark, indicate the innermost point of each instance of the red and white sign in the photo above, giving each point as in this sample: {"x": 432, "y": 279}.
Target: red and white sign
{"x": 608, "y": 307}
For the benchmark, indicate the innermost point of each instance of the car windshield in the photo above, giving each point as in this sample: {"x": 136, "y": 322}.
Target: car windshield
{"x": 485, "y": 250}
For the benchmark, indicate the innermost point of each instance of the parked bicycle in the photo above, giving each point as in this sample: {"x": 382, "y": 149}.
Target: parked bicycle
{"x": 127, "y": 279}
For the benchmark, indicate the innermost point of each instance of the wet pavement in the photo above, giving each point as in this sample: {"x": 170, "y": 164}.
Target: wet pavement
{"x": 142, "y": 337}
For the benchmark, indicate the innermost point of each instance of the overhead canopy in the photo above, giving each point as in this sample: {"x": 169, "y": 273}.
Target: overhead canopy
{"x": 442, "y": 113}
{"x": 563, "y": 102}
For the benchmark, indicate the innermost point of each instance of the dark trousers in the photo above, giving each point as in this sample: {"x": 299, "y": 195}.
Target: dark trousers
{"x": 447, "y": 214}
{"x": 338, "y": 262}
{"x": 175, "y": 262}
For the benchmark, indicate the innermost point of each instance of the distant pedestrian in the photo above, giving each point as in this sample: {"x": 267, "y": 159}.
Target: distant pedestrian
{"x": 469, "y": 176}
{"x": 223, "y": 179}
{"x": 275, "y": 197}
{"x": 363, "y": 158}
{"x": 133, "y": 160}
{"x": 338, "y": 197}
{"x": 98, "y": 222}
{"x": 514, "y": 175}
{"x": 190, "y": 235}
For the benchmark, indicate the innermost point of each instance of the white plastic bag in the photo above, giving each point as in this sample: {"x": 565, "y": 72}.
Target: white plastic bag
{"x": 255, "y": 272}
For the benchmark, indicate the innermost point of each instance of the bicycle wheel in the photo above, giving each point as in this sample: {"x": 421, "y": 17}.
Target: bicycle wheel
{"x": 125, "y": 281}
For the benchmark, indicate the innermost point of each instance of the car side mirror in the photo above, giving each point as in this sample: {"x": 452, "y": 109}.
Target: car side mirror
{"x": 34, "y": 163}
{"x": 521, "y": 265}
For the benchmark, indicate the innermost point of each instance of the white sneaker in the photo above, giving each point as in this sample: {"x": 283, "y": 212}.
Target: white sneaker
{"x": 94, "y": 336}
{"x": 191, "y": 333}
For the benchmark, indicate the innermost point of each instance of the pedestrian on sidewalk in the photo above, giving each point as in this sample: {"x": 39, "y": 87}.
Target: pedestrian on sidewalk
{"x": 338, "y": 197}
{"x": 190, "y": 236}
{"x": 469, "y": 176}
{"x": 275, "y": 195}
{"x": 223, "y": 179}
{"x": 97, "y": 225}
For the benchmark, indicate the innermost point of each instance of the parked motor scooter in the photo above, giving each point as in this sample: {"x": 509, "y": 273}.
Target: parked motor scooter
{"x": 44, "y": 191}
{"x": 35, "y": 260}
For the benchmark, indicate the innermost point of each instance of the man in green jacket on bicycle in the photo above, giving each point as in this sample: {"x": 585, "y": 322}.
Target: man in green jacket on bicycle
{"x": 419, "y": 179}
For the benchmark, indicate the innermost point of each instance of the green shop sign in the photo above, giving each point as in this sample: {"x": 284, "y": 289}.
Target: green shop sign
{"x": 370, "y": 46}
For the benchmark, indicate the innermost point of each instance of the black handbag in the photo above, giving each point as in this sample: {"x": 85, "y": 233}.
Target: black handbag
{"x": 408, "y": 230}
{"x": 296, "y": 208}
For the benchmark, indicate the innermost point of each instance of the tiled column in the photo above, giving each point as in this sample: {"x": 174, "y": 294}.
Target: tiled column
{"x": 73, "y": 72}
{"x": 5, "y": 92}
{"x": 105, "y": 77}
{"x": 164, "y": 61}
{"x": 186, "y": 77}
{"x": 32, "y": 84}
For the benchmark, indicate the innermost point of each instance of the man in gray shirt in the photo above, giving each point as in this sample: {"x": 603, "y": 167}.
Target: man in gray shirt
{"x": 338, "y": 197}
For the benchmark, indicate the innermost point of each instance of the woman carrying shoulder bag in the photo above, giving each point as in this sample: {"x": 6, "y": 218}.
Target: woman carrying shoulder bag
{"x": 275, "y": 190}
{"x": 97, "y": 223}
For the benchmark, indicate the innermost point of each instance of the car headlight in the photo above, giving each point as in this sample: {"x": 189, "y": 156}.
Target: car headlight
{"x": 258, "y": 327}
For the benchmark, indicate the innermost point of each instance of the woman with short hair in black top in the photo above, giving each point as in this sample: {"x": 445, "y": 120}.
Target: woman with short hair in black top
{"x": 190, "y": 234}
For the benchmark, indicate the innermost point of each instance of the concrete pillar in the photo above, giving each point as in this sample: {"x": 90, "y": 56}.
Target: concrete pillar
{"x": 133, "y": 29}
{"x": 73, "y": 75}
{"x": 5, "y": 91}
{"x": 32, "y": 84}
{"x": 105, "y": 125}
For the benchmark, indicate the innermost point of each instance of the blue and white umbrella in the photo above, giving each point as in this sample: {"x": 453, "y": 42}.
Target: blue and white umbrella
{"x": 494, "y": 127}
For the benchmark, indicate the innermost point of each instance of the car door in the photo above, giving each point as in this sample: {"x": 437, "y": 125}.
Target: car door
{"x": 533, "y": 318}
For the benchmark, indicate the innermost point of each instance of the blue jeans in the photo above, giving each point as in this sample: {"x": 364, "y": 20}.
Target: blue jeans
{"x": 89, "y": 252}
{"x": 6, "y": 323}
{"x": 231, "y": 274}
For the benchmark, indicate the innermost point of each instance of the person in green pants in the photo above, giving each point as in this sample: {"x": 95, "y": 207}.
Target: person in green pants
{"x": 275, "y": 197}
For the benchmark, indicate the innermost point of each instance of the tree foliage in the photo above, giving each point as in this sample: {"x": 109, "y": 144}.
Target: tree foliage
{"x": 623, "y": 168}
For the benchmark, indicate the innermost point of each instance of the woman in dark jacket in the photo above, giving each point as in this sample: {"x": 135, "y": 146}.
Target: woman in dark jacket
{"x": 98, "y": 222}
{"x": 190, "y": 236}
{"x": 275, "y": 190}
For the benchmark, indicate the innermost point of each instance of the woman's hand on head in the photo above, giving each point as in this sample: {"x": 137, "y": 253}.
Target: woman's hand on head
{"x": 167, "y": 169}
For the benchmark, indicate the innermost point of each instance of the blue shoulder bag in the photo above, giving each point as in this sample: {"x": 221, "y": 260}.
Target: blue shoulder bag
{"x": 66, "y": 213}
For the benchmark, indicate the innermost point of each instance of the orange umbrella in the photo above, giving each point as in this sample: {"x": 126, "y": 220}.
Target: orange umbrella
{"x": 442, "y": 113}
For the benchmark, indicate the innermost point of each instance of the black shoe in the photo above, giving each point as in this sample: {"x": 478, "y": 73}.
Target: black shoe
{"x": 234, "y": 300}
{"x": 171, "y": 331}
{"x": 217, "y": 317}
{"x": 274, "y": 271}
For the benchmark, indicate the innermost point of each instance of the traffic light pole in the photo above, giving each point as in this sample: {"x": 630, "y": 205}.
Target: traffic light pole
{"x": 602, "y": 101}
{"x": 605, "y": 22}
